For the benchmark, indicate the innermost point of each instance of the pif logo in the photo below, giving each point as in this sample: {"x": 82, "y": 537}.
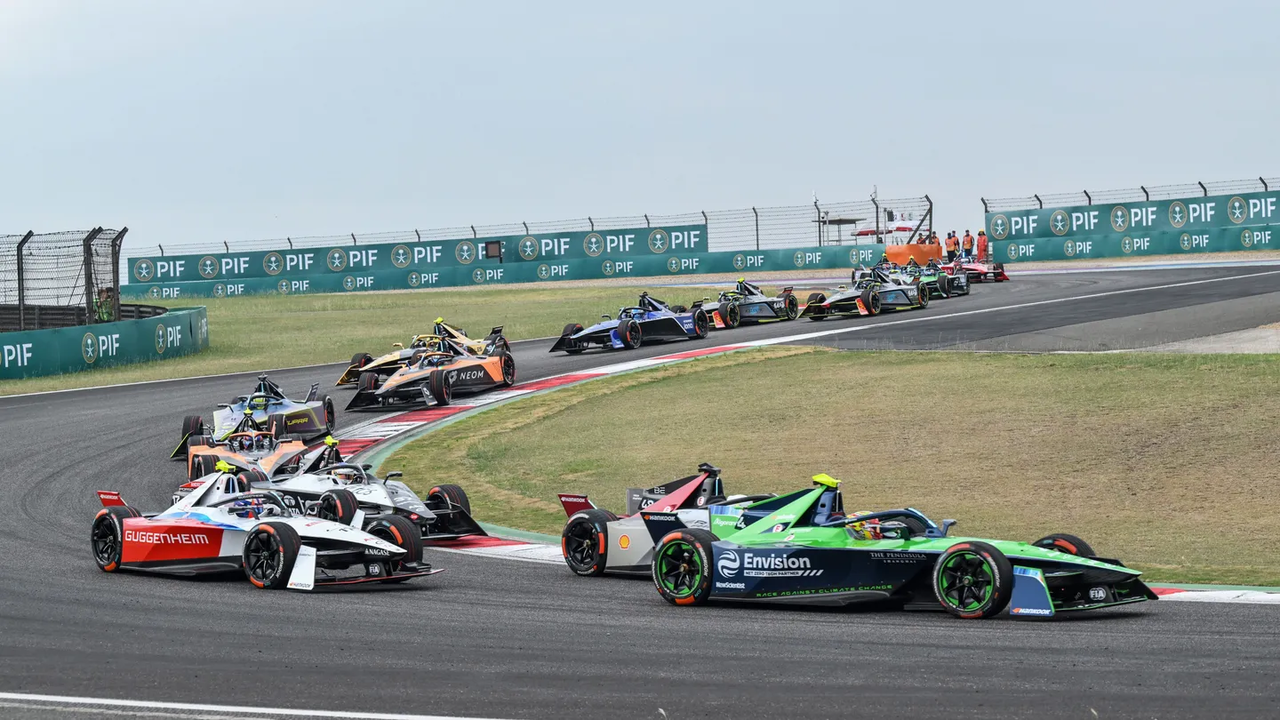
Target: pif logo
{"x": 659, "y": 241}
{"x": 674, "y": 265}
{"x": 348, "y": 283}
{"x": 144, "y": 270}
{"x": 160, "y": 339}
{"x": 414, "y": 280}
{"x": 1059, "y": 222}
{"x": 400, "y": 256}
{"x": 89, "y": 347}
{"x": 465, "y": 251}
{"x": 529, "y": 249}
{"x": 798, "y": 259}
{"x": 1246, "y": 238}
{"x": 739, "y": 262}
{"x": 154, "y": 291}
{"x": 1177, "y": 214}
{"x": 272, "y": 263}
{"x": 1237, "y": 211}
{"x": 593, "y": 244}
{"x": 219, "y": 290}
{"x": 1185, "y": 241}
{"x": 544, "y": 271}
{"x": 999, "y": 227}
{"x": 208, "y": 267}
{"x": 1013, "y": 251}
{"x": 283, "y": 287}
{"x": 1126, "y": 244}
{"x": 477, "y": 275}
{"x": 1119, "y": 218}
{"x": 1069, "y": 248}
{"x": 336, "y": 259}
{"x": 607, "y": 268}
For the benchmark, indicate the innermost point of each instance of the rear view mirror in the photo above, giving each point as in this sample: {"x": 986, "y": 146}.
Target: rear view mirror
{"x": 706, "y": 299}
{"x": 398, "y": 346}
{"x": 605, "y": 317}
{"x": 223, "y": 406}
{"x": 394, "y": 474}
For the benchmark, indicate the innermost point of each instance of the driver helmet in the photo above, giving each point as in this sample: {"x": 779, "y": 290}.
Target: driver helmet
{"x": 869, "y": 530}
{"x": 244, "y": 443}
{"x": 346, "y": 475}
{"x": 912, "y": 263}
{"x": 249, "y": 508}
{"x": 261, "y": 442}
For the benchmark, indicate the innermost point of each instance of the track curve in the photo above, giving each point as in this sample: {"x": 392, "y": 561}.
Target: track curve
{"x": 507, "y": 639}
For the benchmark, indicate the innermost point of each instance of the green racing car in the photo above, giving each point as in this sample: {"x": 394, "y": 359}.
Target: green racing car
{"x": 803, "y": 548}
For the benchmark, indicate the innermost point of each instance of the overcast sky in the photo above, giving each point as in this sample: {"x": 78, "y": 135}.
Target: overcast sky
{"x": 204, "y": 121}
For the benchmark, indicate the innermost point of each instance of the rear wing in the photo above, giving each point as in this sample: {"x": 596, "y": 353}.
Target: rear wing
{"x": 573, "y": 504}
{"x": 110, "y": 498}
{"x": 314, "y": 394}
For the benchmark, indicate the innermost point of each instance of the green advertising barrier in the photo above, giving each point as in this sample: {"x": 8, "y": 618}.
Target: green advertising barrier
{"x": 1217, "y": 223}
{"x": 33, "y": 353}
{"x": 1263, "y": 237}
{"x": 422, "y": 257}
{"x": 489, "y": 272}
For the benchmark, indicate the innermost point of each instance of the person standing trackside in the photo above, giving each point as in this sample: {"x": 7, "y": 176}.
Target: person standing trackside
{"x": 104, "y": 306}
{"x": 967, "y": 245}
{"x": 982, "y": 246}
{"x": 952, "y": 245}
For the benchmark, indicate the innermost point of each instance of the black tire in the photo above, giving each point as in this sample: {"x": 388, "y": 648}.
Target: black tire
{"x": 441, "y": 497}
{"x": 701, "y": 324}
{"x": 816, "y": 299}
{"x": 572, "y": 329}
{"x": 678, "y": 309}
{"x": 338, "y": 505}
{"x": 192, "y": 425}
{"x": 270, "y": 551}
{"x": 508, "y": 368}
{"x": 402, "y": 532}
{"x": 629, "y": 333}
{"x": 791, "y": 305}
{"x": 330, "y": 415}
{"x": 944, "y": 285}
{"x": 254, "y": 476}
{"x": 973, "y": 580}
{"x": 277, "y": 425}
{"x": 361, "y": 359}
{"x": 922, "y": 297}
{"x": 584, "y": 542}
{"x": 438, "y": 386}
{"x": 199, "y": 441}
{"x": 681, "y": 566}
{"x": 368, "y": 382}
{"x": 106, "y": 535}
{"x": 871, "y": 301}
{"x": 201, "y": 465}
{"x": 731, "y": 314}
{"x": 1069, "y": 544}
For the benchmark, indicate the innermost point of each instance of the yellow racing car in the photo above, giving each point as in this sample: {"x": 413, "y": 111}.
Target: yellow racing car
{"x": 389, "y": 364}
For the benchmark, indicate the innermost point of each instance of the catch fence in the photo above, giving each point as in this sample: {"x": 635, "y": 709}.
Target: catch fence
{"x": 59, "y": 279}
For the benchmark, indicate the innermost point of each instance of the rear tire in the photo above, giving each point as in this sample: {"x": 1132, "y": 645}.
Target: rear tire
{"x": 584, "y": 542}
{"x": 701, "y": 324}
{"x": 277, "y": 425}
{"x": 399, "y": 531}
{"x": 270, "y": 551}
{"x": 254, "y": 476}
{"x": 441, "y": 497}
{"x": 201, "y": 465}
{"x": 871, "y": 301}
{"x": 1064, "y": 543}
{"x": 330, "y": 415}
{"x": 337, "y": 505}
{"x": 198, "y": 441}
{"x": 681, "y": 566}
{"x": 361, "y": 359}
{"x": 973, "y": 580}
{"x": 791, "y": 305}
{"x": 438, "y": 386}
{"x": 107, "y": 534}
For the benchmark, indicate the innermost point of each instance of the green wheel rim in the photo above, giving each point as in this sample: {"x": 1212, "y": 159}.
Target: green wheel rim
{"x": 679, "y": 568}
{"x": 965, "y": 581}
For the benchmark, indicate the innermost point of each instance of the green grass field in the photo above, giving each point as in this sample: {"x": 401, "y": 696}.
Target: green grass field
{"x": 1165, "y": 461}
{"x": 271, "y": 331}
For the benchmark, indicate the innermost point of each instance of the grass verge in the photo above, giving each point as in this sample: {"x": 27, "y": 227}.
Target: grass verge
{"x": 1164, "y": 461}
{"x": 270, "y": 331}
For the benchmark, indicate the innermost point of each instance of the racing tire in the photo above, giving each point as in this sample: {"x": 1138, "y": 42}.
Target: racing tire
{"x": 255, "y": 476}
{"x": 368, "y": 382}
{"x": 508, "y": 368}
{"x": 922, "y": 297}
{"x": 731, "y": 315}
{"x": 701, "y": 324}
{"x": 629, "y": 333}
{"x": 570, "y": 330}
{"x": 816, "y": 299}
{"x": 438, "y": 386}
{"x": 682, "y": 566}
{"x": 441, "y": 497}
{"x": 399, "y": 531}
{"x": 1069, "y": 544}
{"x": 973, "y": 580}
{"x": 199, "y": 441}
{"x": 277, "y": 425}
{"x": 192, "y": 425}
{"x": 871, "y": 301}
{"x": 270, "y": 551}
{"x": 944, "y": 286}
{"x": 584, "y": 542}
{"x": 678, "y": 309}
{"x": 361, "y": 359}
{"x": 107, "y": 534}
{"x": 202, "y": 465}
{"x": 791, "y": 305}
{"x": 330, "y": 415}
{"x": 338, "y": 505}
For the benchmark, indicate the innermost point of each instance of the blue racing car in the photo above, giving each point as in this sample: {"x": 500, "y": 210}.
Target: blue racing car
{"x": 650, "y": 321}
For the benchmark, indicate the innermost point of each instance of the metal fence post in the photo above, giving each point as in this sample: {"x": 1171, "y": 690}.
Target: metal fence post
{"x": 592, "y": 223}
{"x": 985, "y": 209}
{"x": 1039, "y": 201}
{"x": 646, "y": 220}
{"x": 1145, "y": 194}
{"x": 817, "y": 214}
{"x": 1203, "y": 189}
{"x": 290, "y": 242}
{"x": 22, "y": 321}
{"x": 87, "y": 245}
{"x": 415, "y": 232}
{"x": 757, "y": 214}
{"x": 876, "y": 204}
{"x": 161, "y": 249}
{"x": 1264, "y": 184}
{"x": 226, "y": 247}
{"x": 473, "y": 232}
{"x": 116, "y": 243}
{"x": 353, "y": 239}
{"x": 1087, "y": 196}
{"x": 704, "y": 218}
{"x": 526, "y": 227}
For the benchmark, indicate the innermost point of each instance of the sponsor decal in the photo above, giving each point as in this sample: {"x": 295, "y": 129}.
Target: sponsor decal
{"x": 89, "y": 348}
{"x": 282, "y": 287}
{"x": 731, "y": 586}
{"x": 400, "y": 256}
{"x": 674, "y": 265}
{"x": 208, "y": 267}
{"x": 701, "y": 501}
{"x": 377, "y": 551}
{"x": 375, "y": 569}
{"x": 728, "y": 563}
{"x": 1177, "y": 214}
{"x": 1236, "y": 210}
{"x": 1185, "y": 241}
{"x": 899, "y": 557}
{"x": 297, "y": 421}
{"x": 528, "y": 248}
{"x": 1012, "y": 250}
{"x": 465, "y": 252}
{"x": 1069, "y": 248}
{"x": 414, "y": 279}
{"x": 165, "y": 538}
{"x": 659, "y": 241}
{"x": 477, "y": 276}
{"x": 144, "y": 270}
{"x": 607, "y": 268}
{"x": 1032, "y": 611}
{"x": 659, "y": 518}
{"x": 999, "y": 227}
{"x": 471, "y": 374}
{"x": 1126, "y": 244}
{"x": 798, "y": 259}
{"x": 1246, "y": 238}
{"x": 593, "y": 244}
{"x": 272, "y": 263}
{"x": 336, "y": 259}
{"x": 739, "y": 261}
{"x": 348, "y": 283}
{"x": 1097, "y": 594}
{"x": 1059, "y": 222}
{"x": 544, "y": 271}
{"x": 1119, "y": 218}
{"x": 219, "y": 290}
{"x": 624, "y": 541}
{"x": 160, "y": 339}
{"x": 777, "y": 528}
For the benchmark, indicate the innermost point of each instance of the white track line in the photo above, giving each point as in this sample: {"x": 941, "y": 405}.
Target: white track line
{"x": 142, "y": 705}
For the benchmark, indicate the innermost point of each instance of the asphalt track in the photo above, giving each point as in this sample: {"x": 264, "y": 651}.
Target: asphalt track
{"x": 504, "y": 639}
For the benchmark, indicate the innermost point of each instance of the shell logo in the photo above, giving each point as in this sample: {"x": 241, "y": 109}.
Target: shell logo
{"x": 624, "y": 541}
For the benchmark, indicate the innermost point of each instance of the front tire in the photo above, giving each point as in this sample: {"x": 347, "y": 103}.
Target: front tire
{"x": 270, "y": 551}
{"x": 731, "y": 315}
{"x": 973, "y": 580}
{"x": 438, "y": 386}
{"x": 441, "y": 497}
{"x": 402, "y": 532}
{"x": 871, "y": 301}
{"x": 682, "y": 566}
{"x": 701, "y": 324}
{"x": 584, "y": 542}
{"x": 1069, "y": 544}
{"x": 107, "y": 534}
{"x": 202, "y": 465}
{"x": 816, "y": 299}
{"x": 571, "y": 346}
{"x": 922, "y": 297}
{"x": 508, "y": 369}
{"x": 791, "y": 305}
{"x": 361, "y": 359}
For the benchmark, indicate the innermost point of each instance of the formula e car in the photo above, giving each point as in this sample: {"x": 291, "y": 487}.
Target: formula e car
{"x": 747, "y": 303}
{"x": 809, "y": 550}
{"x": 386, "y": 365}
{"x": 976, "y": 271}
{"x": 937, "y": 282}
{"x": 441, "y": 370}
{"x": 265, "y": 409}
{"x": 596, "y": 541}
{"x": 649, "y": 321}
{"x": 223, "y": 526}
{"x": 244, "y": 450}
{"x": 873, "y": 291}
